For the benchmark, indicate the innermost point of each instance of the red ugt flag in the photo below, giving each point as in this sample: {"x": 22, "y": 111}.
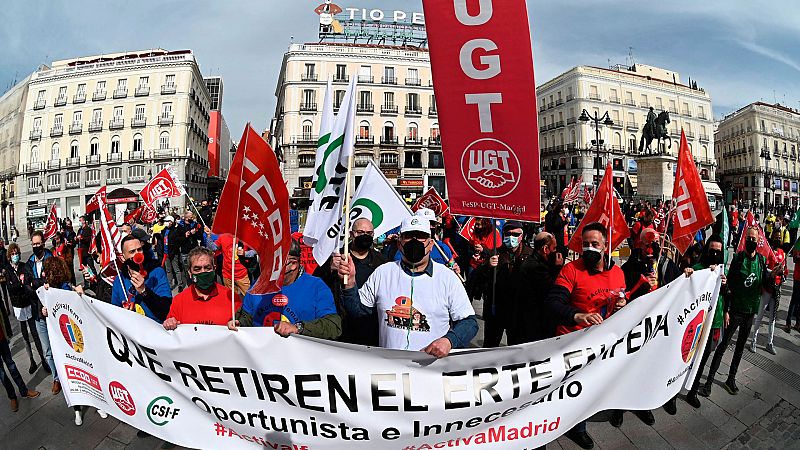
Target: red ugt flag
{"x": 604, "y": 209}
{"x": 51, "y": 226}
{"x": 164, "y": 185}
{"x": 692, "y": 212}
{"x": 433, "y": 201}
{"x": 256, "y": 205}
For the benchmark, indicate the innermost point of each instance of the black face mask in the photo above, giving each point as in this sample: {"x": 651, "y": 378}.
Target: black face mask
{"x": 591, "y": 258}
{"x": 414, "y": 251}
{"x": 38, "y": 251}
{"x": 750, "y": 246}
{"x": 712, "y": 257}
{"x": 362, "y": 243}
{"x": 551, "y": 258}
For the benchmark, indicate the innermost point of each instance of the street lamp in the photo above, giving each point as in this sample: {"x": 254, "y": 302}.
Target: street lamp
{"x": 767, "y": 182}
{"x": 596, "y": 119}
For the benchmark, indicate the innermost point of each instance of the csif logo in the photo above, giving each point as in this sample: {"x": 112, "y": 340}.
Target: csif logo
{"x": 122, "y": 398}
{"x": 162, "y": 410}
{"x": 490, "y": 168}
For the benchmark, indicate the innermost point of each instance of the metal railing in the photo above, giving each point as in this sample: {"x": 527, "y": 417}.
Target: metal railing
{"x": 169, "y": 88}
{"x": 39, "y": 104}
{"x": 142, "y": 91}
{"x": 76, "y": 128}
{"x": 95, "y": 126}
{"x": 413, "y": 111}
{"x": 138, "y": 122}
{"x": 389, "y": 140}
{"x": 61, "y": 100}
{"x": 98, "y": 96}
{"x": 165, "y": 119}
{"x": 54, "y": 164}
{"x": 365, "y": 107}
{"x": 92, "y": 159}
{"x": 389, "y": 109}
{"x": 79, "y": 98}
{"x": 116, "y": 124}
{"x": 36, "y": 135}
{"x": 121, "y": 93}
{"x": 413, "y": 82}
{"x": 309, "y": 77}
{"x": 73, "y": 162}
{"x": 56, "y": 131}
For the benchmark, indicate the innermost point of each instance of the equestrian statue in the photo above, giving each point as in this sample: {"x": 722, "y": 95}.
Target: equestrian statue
{"x": 655, "y": 128}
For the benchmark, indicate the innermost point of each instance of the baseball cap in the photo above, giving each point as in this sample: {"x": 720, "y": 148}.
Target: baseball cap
{"x": 416, "y": 223}
{"x": 512, "y": 224}
{"x": 428, "y": 214}
{"x": 169, "y": 218}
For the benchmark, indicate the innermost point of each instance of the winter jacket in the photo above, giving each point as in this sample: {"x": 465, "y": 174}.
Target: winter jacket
{"x": 157, "y": 297}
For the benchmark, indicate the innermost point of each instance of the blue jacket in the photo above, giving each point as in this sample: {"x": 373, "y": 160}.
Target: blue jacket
{"x": 157, "y": 297}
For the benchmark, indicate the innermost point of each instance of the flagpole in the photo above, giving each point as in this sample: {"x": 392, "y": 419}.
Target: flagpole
{"x": 346, "y": 210}
{"x": 195, "y": 209}
{"x": 236, "y": 227}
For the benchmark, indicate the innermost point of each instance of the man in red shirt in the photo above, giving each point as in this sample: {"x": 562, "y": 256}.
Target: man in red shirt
{"x": 224, "y": 243}
{"x": 586, "y": 291}
{"x": 205, "y": 301}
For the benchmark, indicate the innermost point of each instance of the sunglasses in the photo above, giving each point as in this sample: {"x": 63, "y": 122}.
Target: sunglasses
{"x": 513, "y": 233}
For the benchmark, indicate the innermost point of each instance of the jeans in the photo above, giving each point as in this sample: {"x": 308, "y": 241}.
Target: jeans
{"x": 28, "y": 329}
{"x": 184, "y": 266}
{"x": 5, "y": 354}
{"x": 44, "y": 338}
{"x": 794, "y": 306}
{"x": 743, "y": 322}
{"x": 174, "y": 270}
{"x": 767, "y": 299}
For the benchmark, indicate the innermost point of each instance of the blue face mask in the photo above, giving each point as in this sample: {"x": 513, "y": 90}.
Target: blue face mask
{"x": 511, "y": 241}
{"x": 15, "y": 259}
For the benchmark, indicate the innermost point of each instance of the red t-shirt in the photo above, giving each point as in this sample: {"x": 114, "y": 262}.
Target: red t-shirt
{"x": 225, "y": 243}
{"x": 589, "y": 293}
{"x": 188, "y": 308}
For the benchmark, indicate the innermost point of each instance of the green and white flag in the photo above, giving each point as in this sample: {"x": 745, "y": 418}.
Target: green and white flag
{"x": 325, "y": 129}
{"x": 325, "y": 214}
{"x": 377, "y": 200}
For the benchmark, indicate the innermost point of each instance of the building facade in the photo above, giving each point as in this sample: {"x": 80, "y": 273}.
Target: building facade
{"x": 12, "y": 115}
{"x": 396, "y": 113}
{"x": 627, "y": 93}
{"x": 219, "y": 136}
{"x": 112, "y": 120}
{"x": 757, "y": 147}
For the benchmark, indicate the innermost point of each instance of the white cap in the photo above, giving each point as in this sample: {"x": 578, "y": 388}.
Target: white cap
{"x": 169, "y": 218}
{"x": 427, "y": 213}
{"x": 415, "y": 223}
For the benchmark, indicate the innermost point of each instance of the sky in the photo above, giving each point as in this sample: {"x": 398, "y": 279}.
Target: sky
{"x": 737, "y": 51}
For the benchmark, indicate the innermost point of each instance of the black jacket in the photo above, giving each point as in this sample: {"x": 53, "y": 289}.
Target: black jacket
{"x": 178, "y": 238}
{"x": 508, "y": 273}
{"x": 84, "y": 237}
{"x": 531, "y": 321}
{"x": 20, "y": 285}
{"x": 637, "y": 266}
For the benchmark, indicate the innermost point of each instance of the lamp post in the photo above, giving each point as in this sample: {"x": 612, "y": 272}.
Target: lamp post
{"x": 605, "y": 119}
{"x": 767, "y": 182}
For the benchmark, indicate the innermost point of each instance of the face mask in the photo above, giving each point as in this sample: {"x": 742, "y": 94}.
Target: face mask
{"x": 591, "y": 256}
{"x": 123, "y": 234}
{"x": 38, "y": 251}
{"x": 362, "y": 243}
{"x": 511, "y": 241}
{"x": 204, "y": 280}
{"x": 15, "y": 259}
{"x": 414, "y": 251}
{"x": 750, "y": 246}
{"x": 713, "y": 257}
{"x": 551, "y": 258}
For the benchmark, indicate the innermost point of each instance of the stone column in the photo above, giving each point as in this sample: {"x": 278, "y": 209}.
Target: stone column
{"x": 655, "y": 175}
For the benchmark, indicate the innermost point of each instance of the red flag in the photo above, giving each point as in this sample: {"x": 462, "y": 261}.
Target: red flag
{"x": 433, "y": 201}
{"x": 570, "y": 193}
{"x": 134, "y": 215}
{"x": 93, "y": 204}
{"x": 256, "y": 205}
{"x": 489, "y": 242}
{"x": 164, "y": 185}
{"x": 306, "y": 254}
{"x": 691, "y": 212}
{"x": 603, "y": 208}
{"x": 149, "y": 214}
{"x": 51, "y": 227}
{"x": 110, "y": 238}
{"x": 763, "y": 245}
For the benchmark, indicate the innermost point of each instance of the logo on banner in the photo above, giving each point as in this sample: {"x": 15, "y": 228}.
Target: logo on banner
{"x": 161, "y": 410}
{"x": 83, "y": 377}
{"x": 71, "y": 332}
{"x": 122, "y": 398}
{"x": 490, "y": 168}
{"x": 692, "y": 336}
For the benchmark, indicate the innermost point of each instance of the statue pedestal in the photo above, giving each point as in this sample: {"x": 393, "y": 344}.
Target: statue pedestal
{"x": 655, "y": 176}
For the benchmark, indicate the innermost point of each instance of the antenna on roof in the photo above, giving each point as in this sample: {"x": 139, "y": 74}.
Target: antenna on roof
{"x": 630, "y": 56}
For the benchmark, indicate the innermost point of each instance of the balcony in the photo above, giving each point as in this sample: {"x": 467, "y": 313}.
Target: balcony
{"x": 114, "y": 180}
{"x": 644, "y": 104}
{"x": 341, "y": 78}
{"x": 92, "y": 182}
{"x": 116, "y": 124}
{"x": 138, "y": 122}
{"x": 632, "y": 126}
{"x": 36, "y": 135}
{"x": 142, "y": 91}
{"x": 629, "y": 102}
{"x": 551, "y": 105}
{"x": 309, "y": 77}
{"x": 559, "y": 102}
{"x": 136, "y": 155}
{"x": 614, "y": 100}
{"x": 570, "y": 98}
{"x": 165, "y": 119}
{"x": 686, "y": 113}
{"x": 559, "y": 124}
{"x": 95, "y": 126}
{"x": 92, "y": 159}
{"x": 54, "y": 164}
{"x": 413, "y": 111}
{"x": 388, "y": 80}
{"x": 53, "y": 187}
{"x": 34, "y": 167}
{"x": 594, "y": 97}
{"x": 433, "y": 112}
{"x": 163, "y": 153}
{"x": 702, "y": 116}
{"x": 79, "y": 98}
{"x": 73, "y": 162}
{"x": 121, "y": 93}
{"x": 365, "y": 140}
{"x": 39, "y": 104}
{"x": 168, "y": 88}
{"x": 571, "y": 120}
{"x": 307, "y": 163}
{"x": 365, "y": 78}
{"x": 435, "y": 142}
{"x": 308, "y": 106}
{"x": 33, "y": 190}
{"x": 389, "y": 141}
{"x": 413, "y": 141}
{"x": 689, "y": 135}
{"x": 362, "y": 160}
{"x": 389, "y": 109}
{"x": 61, "y": 100}
{"x": 704, "y": 138}
{"x": 135, "y": 178}
{"x": 76, "y": 128}
{"x": 57, "y": 131}
{"x": 99, "y": 96}
{"x": 305, "y": 139}
{"x": 388, "y": 164}
{"x": 365, "y": 108}
{"x": 74, "y": 184}
{"x": 413, "y": 82}
{"x": 114, "y": 157}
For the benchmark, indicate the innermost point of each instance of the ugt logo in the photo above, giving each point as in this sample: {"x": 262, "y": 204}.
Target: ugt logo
{"x": 161, "y": 188}
{"x": 490, "y": 168}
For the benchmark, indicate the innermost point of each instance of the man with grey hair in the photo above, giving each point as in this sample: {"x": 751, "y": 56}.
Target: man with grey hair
{"x": 531, "y": 321}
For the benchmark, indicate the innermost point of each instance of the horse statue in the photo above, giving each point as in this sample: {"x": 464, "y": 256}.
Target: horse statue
{"x": 657, "y": 129}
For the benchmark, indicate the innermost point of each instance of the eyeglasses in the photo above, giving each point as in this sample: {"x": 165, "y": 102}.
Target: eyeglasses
{"x": 363, "y": 232}
{"x": 513, "y": 233}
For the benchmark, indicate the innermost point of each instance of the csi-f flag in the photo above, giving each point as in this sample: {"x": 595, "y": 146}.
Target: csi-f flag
{"x": 376, "y": 200}
{"x": 325, "y": 129}
{"x": 325, "y": 213}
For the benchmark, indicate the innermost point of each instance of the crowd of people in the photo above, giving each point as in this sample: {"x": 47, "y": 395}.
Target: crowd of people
{"x": 412, "y": 289}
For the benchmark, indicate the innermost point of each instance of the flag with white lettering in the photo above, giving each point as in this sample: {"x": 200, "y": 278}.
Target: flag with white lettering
{"x": 51, "y": 227}
{"x": 433, "y": 201}
{"x": 110, "y": 238}
{"x": 255, "y": 203}
{"x": 692, "y": 212}
{"x": 604, "y": 209}
{"x": 164, "y": 185}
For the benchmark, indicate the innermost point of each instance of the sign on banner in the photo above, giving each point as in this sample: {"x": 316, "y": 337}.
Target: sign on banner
{"x": 485, "y": 90}
{"x": 205, "y": 386}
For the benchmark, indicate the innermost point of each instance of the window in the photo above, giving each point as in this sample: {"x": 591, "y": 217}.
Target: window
{"x": 166, "y": 110}
{"x": 338, "y": 96}
{"x": 435, "y": 131}
{"x": 62, "y": 93}
{"x": 170, "y": 81}
{"x": 388, "y": 131}
{"x": 139, "y": 114}
{"x": 593, "y": 94}
{"x": 37, "y": 123}
{"x": 100, "y": 87}
{"x": 308, "y": 97}
{"x": 137, "y": 142}
{"x": 143, "y": 81}
{"x": 613, "y": 96}
{"x": 136, "y": 171}
{"x": 672, "y": 107}
{"x": 365, "y": 74}
{"x": 413, "y": 76}
{"x": 73, "y": 178}
{"x": 58, "y": 121}
{"x": 55, "y": 152}
{"x": 412, "y": 100}
{"x": 341, "y": 72}
{"x": 40, "y": 96}
{"x": 644, "y": 100}
{"x": 34, "y": 154}
{"x": 163, "y": 141}
{"x": 308, "y": 128}
{"x": 93, "y": 176}
{"x": 97, "y": 115}
{"x": 54, "y": 181}
{"x": 122, "y": 84}
{"x": 309, "y": 74}
{"x": 33, "y": 184}
{"x": 363, "y": 130}
{"x": 117, "y": 113}
{"x": 81, "y": 90}
{"x": 435, "y": 160}
{"x": 365, "y": 98}
{"x": 388, "y": 75}
{"x": 413, "y": 131}
{"x": 388, "y": 99}
{"x": 433, "y": 103}
{"x": 94, "y": 147}
{"x": 114, "y": 174}
{"x": 77, "y": 117}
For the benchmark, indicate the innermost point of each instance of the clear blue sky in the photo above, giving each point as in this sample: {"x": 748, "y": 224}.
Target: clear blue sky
{"x": 738, "y": 51}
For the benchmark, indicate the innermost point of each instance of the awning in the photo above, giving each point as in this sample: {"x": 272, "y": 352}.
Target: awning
{"x": 712, "y": 188}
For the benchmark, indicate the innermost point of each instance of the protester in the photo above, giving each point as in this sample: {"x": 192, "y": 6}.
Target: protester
{"x": 141, "y": 287}
{"x": 84, "y": 241}
{"x": 355, "y": 330}
{"x": 496, "y": 280}
{"x": 172, "y": 255}
{"x": 57, "y": 277}
{"x": 68, "y": 253}
{"x": 125, "y": 229}
{"x": 441, "y": 252}
{"x": 231, "y": 264}
{"x": 530, "y": 321}
{"x": 206, "y": 212}
{"x": 747, "y": 275}
{"x": 13, "y": 372}
{"x": 425, "y": 305}
{"x": 36, "y": 267}
{"x": 794, "y": 305}
{"x": 770, "y": 301}
{"x": 188, "y": 234}
{"x": 303, "y": 306}
{"x": 587, "y": 290}
{"x": 19, "y": 279}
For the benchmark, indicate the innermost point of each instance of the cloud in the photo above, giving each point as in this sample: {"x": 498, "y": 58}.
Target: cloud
{"x": 771, "y": 54}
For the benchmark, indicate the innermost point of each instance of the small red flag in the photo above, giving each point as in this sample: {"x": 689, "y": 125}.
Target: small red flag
{"x": 51, "y": 227}
{"x": 433, "y": 201}
{"x": 604, "y": 209}
{"x": 691, "y": 212}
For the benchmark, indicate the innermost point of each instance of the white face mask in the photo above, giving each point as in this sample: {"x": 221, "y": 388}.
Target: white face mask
{"x": 123, "y": 234}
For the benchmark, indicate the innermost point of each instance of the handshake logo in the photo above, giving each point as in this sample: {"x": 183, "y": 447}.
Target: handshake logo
{"x": 490, "y": 168}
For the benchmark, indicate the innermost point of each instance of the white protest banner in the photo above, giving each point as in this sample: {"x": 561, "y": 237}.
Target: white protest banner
{"x": 208, "y": 387}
